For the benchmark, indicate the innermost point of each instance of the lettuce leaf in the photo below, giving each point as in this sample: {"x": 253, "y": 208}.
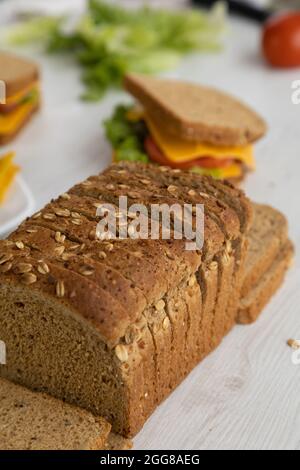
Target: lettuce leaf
{"x": 216, "y": 173}
{"x": 126, "y": 137}
{"x": 109, "y": 41}
{"x": 37, "y": 30}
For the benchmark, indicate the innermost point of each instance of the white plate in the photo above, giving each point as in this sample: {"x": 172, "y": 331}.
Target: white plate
{"x": 18, "y": 205}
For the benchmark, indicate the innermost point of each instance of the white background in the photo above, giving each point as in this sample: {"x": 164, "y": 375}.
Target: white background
{"x": 246, "y": 395}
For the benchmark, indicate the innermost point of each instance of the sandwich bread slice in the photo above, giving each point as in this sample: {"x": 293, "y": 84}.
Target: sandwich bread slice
{"x": 185, "y": 126}
{"x": 21, "y": 94}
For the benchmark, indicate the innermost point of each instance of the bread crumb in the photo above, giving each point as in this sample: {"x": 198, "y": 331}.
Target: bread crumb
{"x": 294, "y": 343}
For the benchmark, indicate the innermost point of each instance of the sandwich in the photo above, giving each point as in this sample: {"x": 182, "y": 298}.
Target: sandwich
{"x": 20, "y": 86}
{"x": 185, "y": 126}
{"x": 8, "y": 171}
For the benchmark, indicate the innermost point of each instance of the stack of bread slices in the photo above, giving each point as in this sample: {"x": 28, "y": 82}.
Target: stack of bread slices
{"x": 113, "y": 326}
{"x": 270, "y": 254}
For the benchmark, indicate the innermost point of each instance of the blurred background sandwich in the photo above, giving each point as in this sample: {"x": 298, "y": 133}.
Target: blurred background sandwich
{"x": 22, "y": 94}
{"x": 185, "y": 126}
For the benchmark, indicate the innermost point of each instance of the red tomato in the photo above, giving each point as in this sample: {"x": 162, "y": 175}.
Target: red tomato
{"x": 157, "y": 156}
{"x": 210, "y": 162}
{"x": 7, "y": 108}
{"x": 281, "y": 40}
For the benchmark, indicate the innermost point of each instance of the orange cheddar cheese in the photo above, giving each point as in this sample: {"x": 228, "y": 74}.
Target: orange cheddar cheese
{"x": 180, "y": 151}
{"x": 11, "y": 122}
{"x": 8, "y": 170}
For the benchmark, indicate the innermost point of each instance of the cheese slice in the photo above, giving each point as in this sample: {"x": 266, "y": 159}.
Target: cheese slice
{"x": 17, "y": 97}
{"x": 10, "y": 176}
{"x": 233, "y": 171}
{"x": 5, "y": 162}
{"x": 7, "y": 174}
{"x": 11, "y": 122}
{"x": 181, "y": 151}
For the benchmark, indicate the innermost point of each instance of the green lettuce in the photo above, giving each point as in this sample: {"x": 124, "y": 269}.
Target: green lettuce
{"x": 216, "y": 173}
{"x": 109, "y": 41}
{"x": 126, "y": 137}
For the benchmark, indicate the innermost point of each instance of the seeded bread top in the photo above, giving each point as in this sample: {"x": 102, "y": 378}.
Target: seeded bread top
{"x": 195, "y": 112}
{"x": 17, "y": 73}
{"x": 110, "y": 283}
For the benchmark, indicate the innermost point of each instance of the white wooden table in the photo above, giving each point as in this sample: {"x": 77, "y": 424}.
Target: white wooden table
{"x": 246, "y": 395}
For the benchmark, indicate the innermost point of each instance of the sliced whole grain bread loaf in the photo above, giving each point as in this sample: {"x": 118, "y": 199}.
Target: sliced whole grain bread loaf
{"x": 195, "y": 112}
{"x": 115, "y": 326}
{"x": 35, "y": 421}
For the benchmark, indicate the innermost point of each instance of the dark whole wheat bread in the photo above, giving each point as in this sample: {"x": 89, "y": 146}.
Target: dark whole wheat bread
{"x": 252, "y": 305}
{"x": 36, "y": 421}
{"x": 268, "y": 234}
{"x": 213, "y": 281}
{"x": 232, "y": 214}
{"x": 196, "y": 113}
{"x": 151, "y": 191}
{"x": 117, "y": 442}
{"x": 115, "y": 326}
{"x": 268, "y": 258}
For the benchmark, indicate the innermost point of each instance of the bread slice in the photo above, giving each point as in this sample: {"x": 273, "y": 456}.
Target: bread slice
{"x": 253, "y": 304}
{"x": 268, "y": 234}
{"x": 268, "y": 258}
{"x": 35, "y": 421}
{"x": 17, "y": 73}
{"x": 195, "y": 112}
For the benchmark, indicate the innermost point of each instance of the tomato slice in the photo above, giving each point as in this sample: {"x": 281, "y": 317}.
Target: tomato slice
{"x": 210, "y": 162}
{"x": 158, "y": 156}
{"x": 7, "y": 108}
